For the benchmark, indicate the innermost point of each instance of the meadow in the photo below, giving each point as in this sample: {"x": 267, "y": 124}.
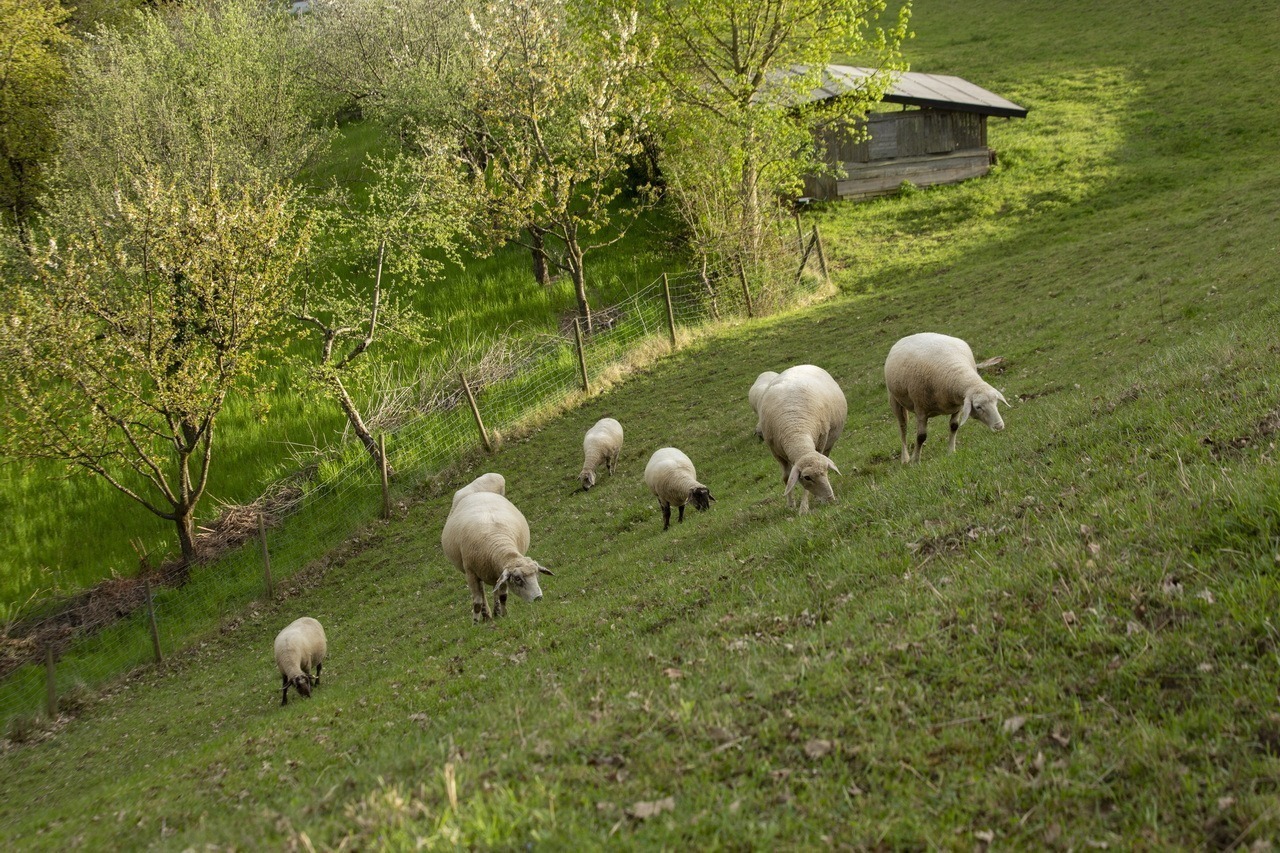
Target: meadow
{"x": 1064, "y": 635}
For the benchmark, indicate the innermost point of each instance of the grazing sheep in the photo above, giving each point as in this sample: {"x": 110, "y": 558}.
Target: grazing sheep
{"x": 756, "y": 393}
{"x": 300, "y": 646}
{"x": 490, "y": 482}
{"x": 602, "y": 443}
{"x": 802, "y": 413}
{"x": 932, "y": 374}
{"x": 486, "y": 537}
{"x": 671, "y": 477}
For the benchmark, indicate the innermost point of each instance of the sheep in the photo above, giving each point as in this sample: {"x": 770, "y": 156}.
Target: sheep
{"x": 602, "y": 443}
{"x": 932, "y": 374}
{"x": 802, "y": 413}
{"x": 300, "y": 646}
{"x": 486, "y": 537}
{"x": 490, "y": 482}
{"x": 757, "y": 392}
{"x": 670, "y": 476}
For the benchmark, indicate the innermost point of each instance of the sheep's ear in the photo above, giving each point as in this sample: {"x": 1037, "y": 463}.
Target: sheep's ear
{"x": 833, "y": 467}
{"x": 791, "y": 480}
{"x": 964, "y": 412}
{"x": 502, "y": 578}
{"x": 1002, "y": 399}
{"x": 543, "y": 570}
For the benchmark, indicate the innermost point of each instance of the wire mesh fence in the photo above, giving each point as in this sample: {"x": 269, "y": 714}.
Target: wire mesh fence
{"x": 56, "y": 656}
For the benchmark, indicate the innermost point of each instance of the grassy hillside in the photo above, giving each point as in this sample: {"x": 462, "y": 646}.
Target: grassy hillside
{"x": 1064, "y": 635}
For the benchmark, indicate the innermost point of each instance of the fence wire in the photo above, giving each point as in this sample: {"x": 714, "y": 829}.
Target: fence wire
{"x": 55, "y": 657}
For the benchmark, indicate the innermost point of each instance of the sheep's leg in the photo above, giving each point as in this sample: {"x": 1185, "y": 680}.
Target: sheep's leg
{"x": 613, "y": 460}
{"x": 922, "y": 432}
{"x": 955, "y": 427}
{"x": 786, "y": 475}
{"x": 479, "y": 609}
{"x": 900, "y": 412}
{"x": 804, "y": 502}
{"x": 681, "y": 519}
{"x": 666, "y": 514}
{"x": 284, "y": 696}
{"x": 316, "y": 680}
{"x": 499, "y": 603}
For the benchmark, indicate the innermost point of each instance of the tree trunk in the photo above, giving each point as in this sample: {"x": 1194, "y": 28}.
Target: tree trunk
{"x": 541, "y": 266}
{"x": 185, "y": 521}
{"x": 357, "y": 422}
{"x": 573, "y": 256}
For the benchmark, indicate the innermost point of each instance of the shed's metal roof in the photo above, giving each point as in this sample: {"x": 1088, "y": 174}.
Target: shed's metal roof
{"x": 939, "y": 91}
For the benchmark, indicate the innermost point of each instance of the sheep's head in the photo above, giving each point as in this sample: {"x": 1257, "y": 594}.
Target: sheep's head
{"x": 521, "y": 578}
{"x": 588, "y": 479}
{"x": 302, "y": 683}
{"x": 982, "y": 405}
{"x": 701, "y": 498}
{"x": 810, "y": 471}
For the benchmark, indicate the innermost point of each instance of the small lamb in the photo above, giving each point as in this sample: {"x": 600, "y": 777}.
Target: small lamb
{"x": 932, "y": 374}
{"x": 756, "y": 393}
{"x": 802, "y": 413}
{"x": 491, "y": 482}
{"x": 300, "y": 646}
{"x": 486, "y": 537}
{"x": 602, "y": 443}
{"x": 670, "y": 476}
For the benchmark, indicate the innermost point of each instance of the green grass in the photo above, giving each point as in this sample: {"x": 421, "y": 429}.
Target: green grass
{"x": 1064, "y": 635}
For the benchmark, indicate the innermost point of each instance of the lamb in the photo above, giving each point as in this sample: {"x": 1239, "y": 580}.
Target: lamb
{"x": 602, "y": 443}
{"x": 490, "y": 482}
{"x": 670, "y": 476}
{"x": 486, "y": 537}
{"x": 300, "y": 646}
{"x": 802, "y": 413}
{"x": 932, "y": 374}
{"x": 756, "y": 393}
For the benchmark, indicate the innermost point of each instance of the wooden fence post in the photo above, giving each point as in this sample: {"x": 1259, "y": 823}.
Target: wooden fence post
{"x": 151, "y": 620}
{"x": 266, "y": 556}
{"x": 822, "y": 256}
{"x": 475, "y": 412}
{"x": 50, "y": 684}
{"x": 386, "y": 485}
{"x": 746, "y": 291}
{"x": 671, "y": 314}
{"x": 799, "y": 233}
{"x": 804, "y": 258}
{"x": 582, "y": 357}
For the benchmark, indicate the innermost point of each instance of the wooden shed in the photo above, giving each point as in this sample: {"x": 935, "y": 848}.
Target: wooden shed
{"x": 940, "y": 137}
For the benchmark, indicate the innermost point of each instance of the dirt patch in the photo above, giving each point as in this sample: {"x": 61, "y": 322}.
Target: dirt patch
{"x": 1260, "y": 435}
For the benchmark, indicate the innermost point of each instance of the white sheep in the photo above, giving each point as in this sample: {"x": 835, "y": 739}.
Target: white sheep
{"x": 299, "y": 647}
{"x": 486, "y": 537}
{"x": 670, "y": 476}
{"x": 932, "y": 374}
{"x": 802, "y": 413}
{"x": 602, "y": 443}
{"x": 490, "y": 482}
{"x": 756, "y": 393}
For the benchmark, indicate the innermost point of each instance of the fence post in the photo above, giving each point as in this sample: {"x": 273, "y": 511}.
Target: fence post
{"x": 475, "y": 412}
{"x": 50, "y": 684}
{"x": 151, "y": 620}
{"x": 582, "y": 357}
{"x": 804, "y": 258}
{"x": 266, "y": 556}
{"x": 386, "y": 485}
{"x": 746, "y": 291}
{"x": 822, "y": 256}
{"x": 671, "y": 314}
{"x": 799, "y": 233}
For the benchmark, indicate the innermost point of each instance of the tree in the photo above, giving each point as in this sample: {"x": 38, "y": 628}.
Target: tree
{"x": 166, "y": 254}
{"x": 123, "y": 339}
{"x": 548, "y": 127}
{"x": 740, "y": 71}
{"x": 33, "y": 40}
{"x": 414, "y": 204}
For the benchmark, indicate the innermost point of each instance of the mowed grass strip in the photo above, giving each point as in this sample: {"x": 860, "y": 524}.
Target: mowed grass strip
{"x": 1063, "y": 635}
